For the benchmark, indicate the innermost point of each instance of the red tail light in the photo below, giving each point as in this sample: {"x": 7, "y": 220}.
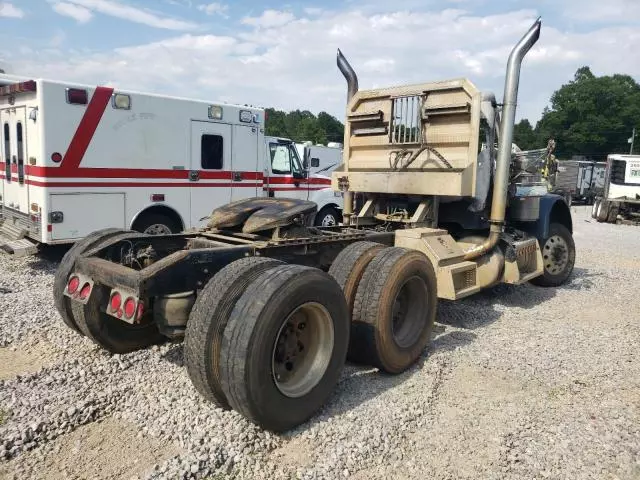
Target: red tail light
{"x": 129, "y": 307}
{"x": 72, "y": 286}
{"x": 140, "y": 311}
{"x": 115, "y": 302}
{"x": 56, "y": 157}
{"x": 77, "y": 96}
{"x": 85, "y": 292}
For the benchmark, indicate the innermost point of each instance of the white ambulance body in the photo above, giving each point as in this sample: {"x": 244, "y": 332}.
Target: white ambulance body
{"x": 75, "y": 159}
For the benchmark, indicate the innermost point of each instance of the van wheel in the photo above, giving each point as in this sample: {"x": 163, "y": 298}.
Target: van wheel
{"x": 394, "y": 310}
{"x": 284, "y": 346}
{"x": 63, "y": 303}
{"x": 112, "y": 334}
{"x": 208, "y": 320}
{"x": 327, "y": 217}
{"x": 156, "y": 224}
{"x": 558, "y": 256}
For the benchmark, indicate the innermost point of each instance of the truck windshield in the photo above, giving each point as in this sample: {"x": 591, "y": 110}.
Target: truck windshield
{"x": 284, "y": 159}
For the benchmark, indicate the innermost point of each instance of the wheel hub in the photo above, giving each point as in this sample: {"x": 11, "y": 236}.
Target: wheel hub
{"x": 157, "y": 229}
{"x": 555, "y": 255}
{"x": 328, "y": 221}
{"x": 302, "y": 350}
{"x": 408, "y": 310}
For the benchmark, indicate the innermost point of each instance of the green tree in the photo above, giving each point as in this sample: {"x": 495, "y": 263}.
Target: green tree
{"x": 591, "y": 115}
{"x": 302, "y": 125}
{"x": 524, "y": 135}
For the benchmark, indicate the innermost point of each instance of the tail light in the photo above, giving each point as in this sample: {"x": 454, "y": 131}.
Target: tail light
{"x": 73, "y": 285}
{"x": 130, "y": 309}
{"x": 79, "y": 288}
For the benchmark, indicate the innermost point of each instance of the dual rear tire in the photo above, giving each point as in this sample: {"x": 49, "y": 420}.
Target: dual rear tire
{"x": 269, "y": 340}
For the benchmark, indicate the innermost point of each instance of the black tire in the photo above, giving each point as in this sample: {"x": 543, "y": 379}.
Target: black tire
{"x": 394, "y": 274}
{"x": 603, "y": 211}
{"x": 251, "y": 346}
{"x": 63, "y": 303}
{"x": 594, "y": 208}
{"x": 208, "y": 320}
{"x": 151, "y": 224}
{"x": 614, "y": 209}
{"x": 327, "y": 216}
{"x": 349, "y": 266}
{"x": 554, "y": 275}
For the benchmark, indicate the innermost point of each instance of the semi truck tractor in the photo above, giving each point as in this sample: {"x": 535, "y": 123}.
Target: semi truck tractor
{"x": 270, "y": 305}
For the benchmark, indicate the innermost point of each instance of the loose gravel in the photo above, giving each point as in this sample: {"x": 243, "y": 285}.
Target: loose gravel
{"x": 519, "y": 382}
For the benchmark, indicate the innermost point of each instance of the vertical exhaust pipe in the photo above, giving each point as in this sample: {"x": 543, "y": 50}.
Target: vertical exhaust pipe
{"x": 508, "y": 118}
{"x": 352, "y": 88}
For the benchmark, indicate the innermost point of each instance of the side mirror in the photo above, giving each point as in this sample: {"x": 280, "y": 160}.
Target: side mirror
{"x": 315, "y": 162}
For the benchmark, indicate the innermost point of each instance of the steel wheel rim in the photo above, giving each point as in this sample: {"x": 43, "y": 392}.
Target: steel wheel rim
{"x": 302, "y": 350}
{"x": 555, "y": 254}
{"x": 408, "y": 310}
{"x": 157, "y": 229}
{"x": 328, "y": 221}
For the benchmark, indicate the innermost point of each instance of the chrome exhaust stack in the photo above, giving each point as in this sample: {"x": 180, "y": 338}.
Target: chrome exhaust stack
{"x": 352, "y": 88}
{"x": 507, "y": 123}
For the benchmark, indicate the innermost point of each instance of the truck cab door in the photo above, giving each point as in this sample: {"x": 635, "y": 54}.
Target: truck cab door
{"x": 210, "y": 174}
{"x": 286, "y": 176}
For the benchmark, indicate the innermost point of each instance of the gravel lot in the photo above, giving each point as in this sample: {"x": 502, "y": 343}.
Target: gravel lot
{"x": 519, "y": 382}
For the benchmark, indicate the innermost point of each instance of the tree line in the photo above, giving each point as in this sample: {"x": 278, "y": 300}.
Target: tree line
{"x": 302, "y": 125}
{"x": 590, "y": 116}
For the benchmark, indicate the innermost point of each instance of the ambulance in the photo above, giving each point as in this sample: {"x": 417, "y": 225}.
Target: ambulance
{"x": 77, "y": 158}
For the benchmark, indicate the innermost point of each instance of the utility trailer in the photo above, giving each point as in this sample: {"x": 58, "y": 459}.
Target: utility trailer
{"x": 270, "y": 306}
{"x": 579, "y": 180}
{"x": 620, "y": 201}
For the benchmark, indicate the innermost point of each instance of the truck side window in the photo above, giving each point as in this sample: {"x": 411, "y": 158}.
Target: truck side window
{"x": 212, "y": 147}
{"x": 7, "y": 144}
{"x": 280, "y": 158}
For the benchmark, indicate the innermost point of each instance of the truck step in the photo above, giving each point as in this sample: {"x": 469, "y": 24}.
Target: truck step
{"x": 19, "y": 248}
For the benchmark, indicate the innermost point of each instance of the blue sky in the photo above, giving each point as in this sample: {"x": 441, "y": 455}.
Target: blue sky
{"x": 283, "y": 54}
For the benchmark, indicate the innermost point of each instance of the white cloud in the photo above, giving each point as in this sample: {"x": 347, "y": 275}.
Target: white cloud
{"x": 9, "y": 10}
{"x": 214, "y": 8}
{"x": 78, "y": 13}
{"x": 286, "y": 62}
{"x": 269, "y": 19}
{"x": 133, "y": 14}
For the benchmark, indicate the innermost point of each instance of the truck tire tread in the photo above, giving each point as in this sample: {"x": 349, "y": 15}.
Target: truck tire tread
{"x": 208, "y": 320}
{"x": 245, "y": 373}
{"x": 371, "y": 339}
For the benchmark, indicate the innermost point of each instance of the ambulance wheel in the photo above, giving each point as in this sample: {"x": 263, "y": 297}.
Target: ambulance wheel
{"x": 156, "y": 224}
{"x": 394, "y": 310}
{"x": 558, "y": 256}
{"x": 113, "y": 334}
{"x": 284, "y": 346}
{"x": 208, "y": 319}
{"x": 63, "y": 303}
{"x": 327, "y": 217}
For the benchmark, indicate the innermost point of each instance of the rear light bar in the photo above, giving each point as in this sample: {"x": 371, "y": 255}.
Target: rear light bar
{"x": 79, "y": 288}
{"x": 28, "y": 86}
{"x": 125, "y": 306}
